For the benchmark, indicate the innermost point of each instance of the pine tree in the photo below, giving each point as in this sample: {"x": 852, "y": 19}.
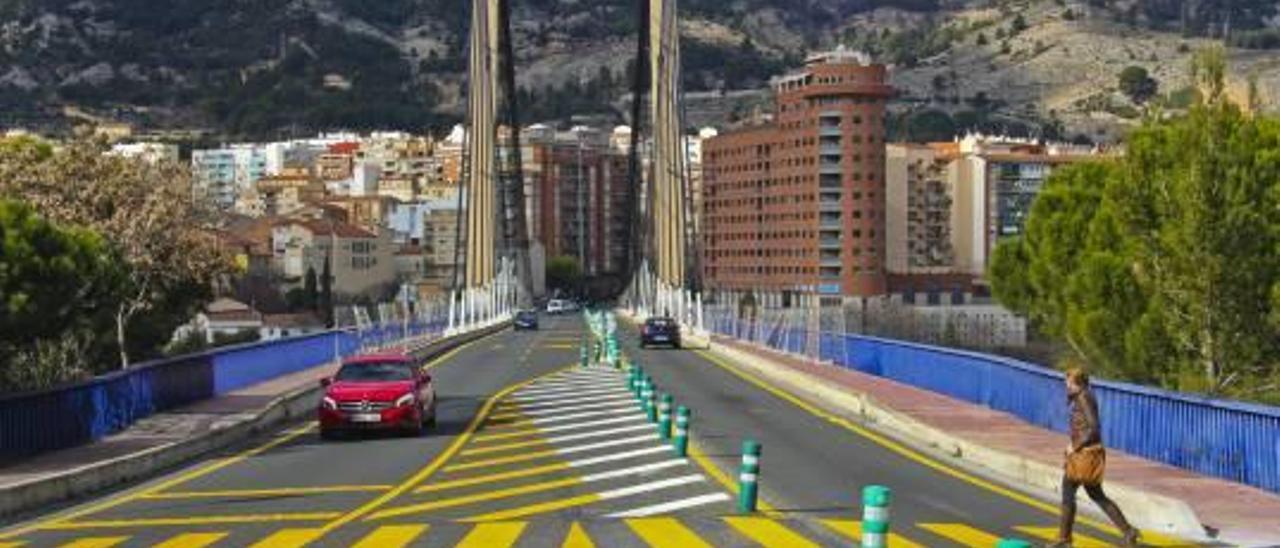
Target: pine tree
{"x": 310, "y": 293}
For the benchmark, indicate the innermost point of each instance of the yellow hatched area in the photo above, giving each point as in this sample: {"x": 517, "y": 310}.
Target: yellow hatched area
{"x": 658, "y": 531}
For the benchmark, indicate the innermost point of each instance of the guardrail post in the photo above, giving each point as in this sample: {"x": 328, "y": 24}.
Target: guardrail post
{"x": 664, "y": 417}
{"x": 875, "y": 515}
{"x": 748, "y": 477}
{"x": 1013, "y": 543}
{"x": 681, "y": 443}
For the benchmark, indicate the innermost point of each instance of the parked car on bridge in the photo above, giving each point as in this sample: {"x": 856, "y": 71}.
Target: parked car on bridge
{"x": 526, "y": 319}
{"x": 377, "y": 392}
{"x": 660, "y": 330}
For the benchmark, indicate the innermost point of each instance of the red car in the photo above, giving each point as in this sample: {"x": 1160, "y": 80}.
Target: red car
{"x": 377, "y": 392}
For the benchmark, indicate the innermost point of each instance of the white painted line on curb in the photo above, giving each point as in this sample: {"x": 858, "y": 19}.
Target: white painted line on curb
{"x": 672, "y": 506}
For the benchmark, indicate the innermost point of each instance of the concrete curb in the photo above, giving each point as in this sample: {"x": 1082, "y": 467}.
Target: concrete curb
{"x": 99, "y": 476}
{"x": 1146, "y": 510}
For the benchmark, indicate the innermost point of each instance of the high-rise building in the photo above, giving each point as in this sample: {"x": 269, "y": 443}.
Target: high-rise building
{"x": 221, "y": 175}
{"x": 949, "y": 204}
{"x": 576, "y": 191}
{"x": 794, "y": 207}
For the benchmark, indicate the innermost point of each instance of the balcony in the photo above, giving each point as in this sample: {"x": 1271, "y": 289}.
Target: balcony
{"x": 831, "y": 181}
{"x": 832, "y": 262}
{"x": 829, "y": 273}
{"x": 827, "y": 168}
{"x": 831, "y": 149}
{"x": 825, "y": 130}
{"x": 829, "y": 241}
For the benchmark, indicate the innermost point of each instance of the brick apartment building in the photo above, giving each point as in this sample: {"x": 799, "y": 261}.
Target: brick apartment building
{"x": 795, "y": 207}
{"x": 576, "y": 187}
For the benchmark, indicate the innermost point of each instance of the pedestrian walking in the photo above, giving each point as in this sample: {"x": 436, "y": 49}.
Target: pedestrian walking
{"x": 1086, "y": 461}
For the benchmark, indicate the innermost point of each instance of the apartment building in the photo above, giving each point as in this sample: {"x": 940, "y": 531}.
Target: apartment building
{"x": 361, "y": 260}
{"x": 220, "y": 175}
{"x": 794, "y": 207}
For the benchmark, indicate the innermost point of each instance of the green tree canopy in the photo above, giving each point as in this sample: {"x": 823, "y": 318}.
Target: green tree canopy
{"x": 1162, "y": 266}
{"x": 564, "y": 273}
{"x": 1136, "y": 83}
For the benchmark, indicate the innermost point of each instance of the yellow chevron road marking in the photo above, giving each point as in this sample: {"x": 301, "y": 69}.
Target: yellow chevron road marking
{"x": 192, "y": 540}
{"x": 392, "y": 536}
{"x": 665, "y": 532}
{"x": 768, "y": 533}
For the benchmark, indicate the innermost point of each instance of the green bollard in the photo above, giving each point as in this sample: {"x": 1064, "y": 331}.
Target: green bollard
{"x": 651, "y": 404}
{"x": 875, "y": 515}
{"x": 748, "y": 477}
{"x": 582, "y": 354}
{"x": 642, "y": 395}
{"x": 1013, "y": 543}
{"x": 664, "y": 417}
{"x": 682, "y": 432}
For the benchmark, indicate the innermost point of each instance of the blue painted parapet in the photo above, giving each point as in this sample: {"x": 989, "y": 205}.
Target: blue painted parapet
{"x": 1227, "y": 439}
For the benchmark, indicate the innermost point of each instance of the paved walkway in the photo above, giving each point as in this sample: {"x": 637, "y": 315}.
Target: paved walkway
{"x": 166, "y": 427}
{"x": 1240, "y": 513}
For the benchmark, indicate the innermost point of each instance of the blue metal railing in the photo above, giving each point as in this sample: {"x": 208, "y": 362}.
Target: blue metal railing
{"x": 1227, "y": 439}
{"x": 66, "y": 416}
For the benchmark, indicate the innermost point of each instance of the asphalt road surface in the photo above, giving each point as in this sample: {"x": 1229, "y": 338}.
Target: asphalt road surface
{"x": 532, "y": 450}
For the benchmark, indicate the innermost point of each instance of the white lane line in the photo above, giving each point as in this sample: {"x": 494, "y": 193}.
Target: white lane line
{"x": 634, "y": 470}
{"x": 606, "y": 444}
{"x": 548, "y": 397}
{"x": 583, "y": 463}
{"x": 578, "y": 378}
{"x": 599, "y": 433}
{"x": 672, "y": 506}
{"x": 563, "y": 392}
{"x": 567, "y": 387}
{"x": 583, "y": 415}
{"x": 647, "y": 487}
{"x": 581, "y": 425}
{"x": 557, "y": 403}
{"x": 528, "y": 392}
{"x": 575, "y": 408}
{"x": 586, "y": 375}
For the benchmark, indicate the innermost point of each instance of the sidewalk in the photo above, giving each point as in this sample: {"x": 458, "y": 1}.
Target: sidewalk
{"x": 1239, "y": 514}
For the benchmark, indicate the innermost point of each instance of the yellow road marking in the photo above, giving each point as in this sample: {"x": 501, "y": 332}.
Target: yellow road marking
{"x": 559, "y": 346}
{"x": 437, "y": 463}
{"x": 492, "y": 535}
{"x": 704, "y": 462}
{"x": 963, "y": 534}
{"x": 392, "y": 536}
{"x": 852, "y": 530}
{"x": 507, "y": 416}
{"x": 96, "y": 542}
{"x": 532, "y": 431}
{"x": 664, "y": 532}
{"x": 284, "y": 491}
{"x": 768, "y": 533}
{"x": 469, "y": 465}
{"x": 1051, "y": 534}
{"x": 477, "y": 480}
{"x": 477, "y": 497}
{"x": 201, "y": 520}
{"x": 165, "y": 485}
{"x": 577, "y": 538}
{"x": 192, "y": 540}
{"x": 504, "y": 447}
{"x": 289, "y": 538}
{"x": 894, "y": 446}
{"x": 10, "y": 544}
{"x": 539, "y": 508}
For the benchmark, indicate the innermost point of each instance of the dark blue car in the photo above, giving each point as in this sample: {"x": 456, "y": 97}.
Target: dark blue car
{"x": 526, "y": 319}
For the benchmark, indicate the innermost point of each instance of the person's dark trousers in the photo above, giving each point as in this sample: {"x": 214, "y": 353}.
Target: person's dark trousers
{"x": 1095, "y": 492}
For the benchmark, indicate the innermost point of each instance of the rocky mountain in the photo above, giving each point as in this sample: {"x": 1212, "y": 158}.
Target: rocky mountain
{"x": 267, "y": 67}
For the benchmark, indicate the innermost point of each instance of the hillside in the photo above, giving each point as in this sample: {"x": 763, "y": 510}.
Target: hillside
{"x": 268, "y": 67}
